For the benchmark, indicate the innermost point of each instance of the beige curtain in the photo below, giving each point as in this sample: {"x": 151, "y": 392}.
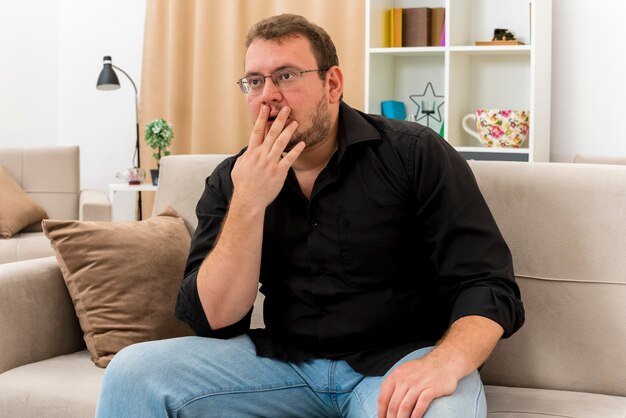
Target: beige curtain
{"x": 193, "y": 56}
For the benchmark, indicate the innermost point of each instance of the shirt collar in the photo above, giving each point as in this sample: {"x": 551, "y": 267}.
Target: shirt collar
{"x": 353, "y": 128}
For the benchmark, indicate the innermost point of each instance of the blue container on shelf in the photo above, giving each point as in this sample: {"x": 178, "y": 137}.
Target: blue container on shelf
{"x": 393, "y": 109}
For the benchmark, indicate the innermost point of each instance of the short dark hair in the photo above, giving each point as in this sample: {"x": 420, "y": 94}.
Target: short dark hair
{"x": 283, "y": 26}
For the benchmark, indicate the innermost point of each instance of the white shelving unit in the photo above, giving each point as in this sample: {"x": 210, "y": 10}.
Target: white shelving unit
{"x": 469, "y": 77}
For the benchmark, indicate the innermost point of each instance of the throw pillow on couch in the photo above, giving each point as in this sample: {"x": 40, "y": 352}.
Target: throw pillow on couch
{"x": 17, "y": 210}
{"x": 123, "y": 278}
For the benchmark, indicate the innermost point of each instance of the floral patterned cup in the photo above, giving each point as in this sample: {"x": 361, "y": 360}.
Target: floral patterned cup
{"x": 498, "y": 128}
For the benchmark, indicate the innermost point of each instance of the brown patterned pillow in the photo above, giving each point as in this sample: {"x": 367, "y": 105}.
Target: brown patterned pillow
{"x": 123, "y": 278}
{"x": 17, "y": 210}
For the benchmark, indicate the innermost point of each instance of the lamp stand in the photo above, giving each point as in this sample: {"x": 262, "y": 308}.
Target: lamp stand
{"x": 136, "y": 132}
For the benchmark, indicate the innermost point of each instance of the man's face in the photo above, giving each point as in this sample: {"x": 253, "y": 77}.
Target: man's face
{"x": 307, "y": 97}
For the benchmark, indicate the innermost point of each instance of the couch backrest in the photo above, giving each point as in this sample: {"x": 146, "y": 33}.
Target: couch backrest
{"x": 181, "y": 183}
{"x": 600, "y": 159}
{"x": 566, "y": 227}
{"x": 49, "y": 175}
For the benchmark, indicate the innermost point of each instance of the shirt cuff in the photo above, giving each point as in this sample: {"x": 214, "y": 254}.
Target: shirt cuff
{"x": 491, "y": 303}
{"x": 189, "y": 309}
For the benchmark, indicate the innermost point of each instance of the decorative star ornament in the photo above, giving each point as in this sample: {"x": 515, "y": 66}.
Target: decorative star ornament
{"x": 427, "y": 115}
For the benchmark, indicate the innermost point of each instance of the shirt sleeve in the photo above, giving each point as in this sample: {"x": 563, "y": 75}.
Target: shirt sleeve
{"x": 471, "y": 260}
{"x": 211, "y": 211}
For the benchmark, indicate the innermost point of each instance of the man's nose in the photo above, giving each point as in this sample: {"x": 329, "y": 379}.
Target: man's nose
{"x": 270, "y": 93}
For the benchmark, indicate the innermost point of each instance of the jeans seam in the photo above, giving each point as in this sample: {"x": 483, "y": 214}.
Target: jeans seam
{"x": 332, "y": 389}
{"x": 331, "y": 377}
{"x": 233, "y": 392}
{"x": 358, "y": 398}
{"x": 476, "y": 409}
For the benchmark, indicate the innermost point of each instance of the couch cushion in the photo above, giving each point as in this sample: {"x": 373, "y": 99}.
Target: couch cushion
{"x": 37, "y": 318}
{"x": 181, "y": 182}
{"x": 25, "y": 246}
{"x": 62, "y": 387}
{"x": 565, "y": 225}
{"x": 17, "y": 210}
{"x": 123, "y": 278}
{"x": 506, "y": 402}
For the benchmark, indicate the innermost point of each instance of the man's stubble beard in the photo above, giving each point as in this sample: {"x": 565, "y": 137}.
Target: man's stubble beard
{"x": 319, "y": 130}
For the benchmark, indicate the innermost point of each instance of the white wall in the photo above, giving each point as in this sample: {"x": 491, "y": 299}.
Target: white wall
{"x": 29, "y": 72}
{"x": 588, "y": 78}
{"x": 51, "y": 54}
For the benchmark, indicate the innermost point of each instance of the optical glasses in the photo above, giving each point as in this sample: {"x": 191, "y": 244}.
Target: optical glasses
{"x": 283, "y": 79}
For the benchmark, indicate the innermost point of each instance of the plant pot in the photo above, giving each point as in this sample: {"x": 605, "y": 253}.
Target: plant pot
{"x": 154, "y": 173}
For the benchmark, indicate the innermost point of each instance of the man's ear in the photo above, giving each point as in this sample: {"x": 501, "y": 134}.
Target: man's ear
{"x": 335, "y": 84}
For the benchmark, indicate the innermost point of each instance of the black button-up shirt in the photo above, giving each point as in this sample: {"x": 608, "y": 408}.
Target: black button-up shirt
{"x": 395, "y": 243}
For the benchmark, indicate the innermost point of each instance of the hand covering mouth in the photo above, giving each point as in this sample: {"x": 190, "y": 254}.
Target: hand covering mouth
{"x": 273, "y": 115}
{"x": 274, "y": 112}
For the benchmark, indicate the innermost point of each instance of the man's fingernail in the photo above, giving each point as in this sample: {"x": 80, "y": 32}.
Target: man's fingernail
{"x": 285, "y": 110}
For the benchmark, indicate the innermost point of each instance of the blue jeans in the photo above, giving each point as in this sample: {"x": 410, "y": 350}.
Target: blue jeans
{"x": 204, "y": 377}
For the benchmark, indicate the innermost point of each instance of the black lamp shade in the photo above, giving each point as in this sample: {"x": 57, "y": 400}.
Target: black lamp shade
{"x": 107, "y": 80}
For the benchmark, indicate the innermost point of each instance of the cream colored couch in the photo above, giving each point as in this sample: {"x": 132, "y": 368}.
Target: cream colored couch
{"x": 51, "y": 177}
{"x": 600, "y": 159}
{"x": 566, "y": 226}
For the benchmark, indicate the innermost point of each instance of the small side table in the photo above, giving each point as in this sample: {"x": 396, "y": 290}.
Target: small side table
{"x": 125, "y": 187}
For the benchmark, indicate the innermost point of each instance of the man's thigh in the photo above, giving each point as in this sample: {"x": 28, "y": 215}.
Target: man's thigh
{"x": 467, "y": 401}
{"x": 203, "y": 377}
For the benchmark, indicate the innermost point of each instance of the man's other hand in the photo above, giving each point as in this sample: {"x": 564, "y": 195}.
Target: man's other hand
{"x": 412, "y": 386}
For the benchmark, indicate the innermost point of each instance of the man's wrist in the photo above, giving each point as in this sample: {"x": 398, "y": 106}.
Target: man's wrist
{"x": 467, "y": 344}
{"x": 453, "y": 362}
{"x": 245, "y": 205}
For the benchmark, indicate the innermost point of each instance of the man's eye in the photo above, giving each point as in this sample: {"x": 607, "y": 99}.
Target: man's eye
{"x": 287, "y": 76}
{"x": 255, "y": 82}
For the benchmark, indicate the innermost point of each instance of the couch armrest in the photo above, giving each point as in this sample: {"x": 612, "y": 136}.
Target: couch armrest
{"x": 37, "y": 318}
{"x": 94, "y": 205}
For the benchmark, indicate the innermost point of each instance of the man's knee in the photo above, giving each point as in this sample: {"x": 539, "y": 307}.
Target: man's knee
{"x": 140, "y": 361}
{"x": 467, "y": 401}
{"x": 126, "y": 364}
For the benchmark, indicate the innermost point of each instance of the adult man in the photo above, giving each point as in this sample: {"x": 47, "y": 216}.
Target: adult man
{"x": 370, "y": 240}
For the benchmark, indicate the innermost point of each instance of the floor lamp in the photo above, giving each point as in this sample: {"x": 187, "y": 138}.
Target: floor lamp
{"x": 107, "y": 80}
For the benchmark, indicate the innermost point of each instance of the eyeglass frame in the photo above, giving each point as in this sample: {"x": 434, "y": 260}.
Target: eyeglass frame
{"x": 300, "y": 73}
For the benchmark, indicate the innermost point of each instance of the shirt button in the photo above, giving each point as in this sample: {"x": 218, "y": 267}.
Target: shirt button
{"x": 346, "y": 222}
{"x": 315, "y": 224}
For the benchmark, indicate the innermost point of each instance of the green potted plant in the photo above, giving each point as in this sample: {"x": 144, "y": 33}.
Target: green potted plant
{"x": 158, "y": 135}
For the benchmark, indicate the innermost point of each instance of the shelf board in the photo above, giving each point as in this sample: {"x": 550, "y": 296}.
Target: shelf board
{"x": 492, "y": 50}
{"x": 493, "y": 150}
{"x": 426, "y": 50}
{"x": 467, "y": 50}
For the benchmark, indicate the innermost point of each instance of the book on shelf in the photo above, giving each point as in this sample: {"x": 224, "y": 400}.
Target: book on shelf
{"x": 416, "y": 26}
{"x": 437, "y": 18}
{"x": 395, "y": 27}
{"x": 443, "y": 34}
